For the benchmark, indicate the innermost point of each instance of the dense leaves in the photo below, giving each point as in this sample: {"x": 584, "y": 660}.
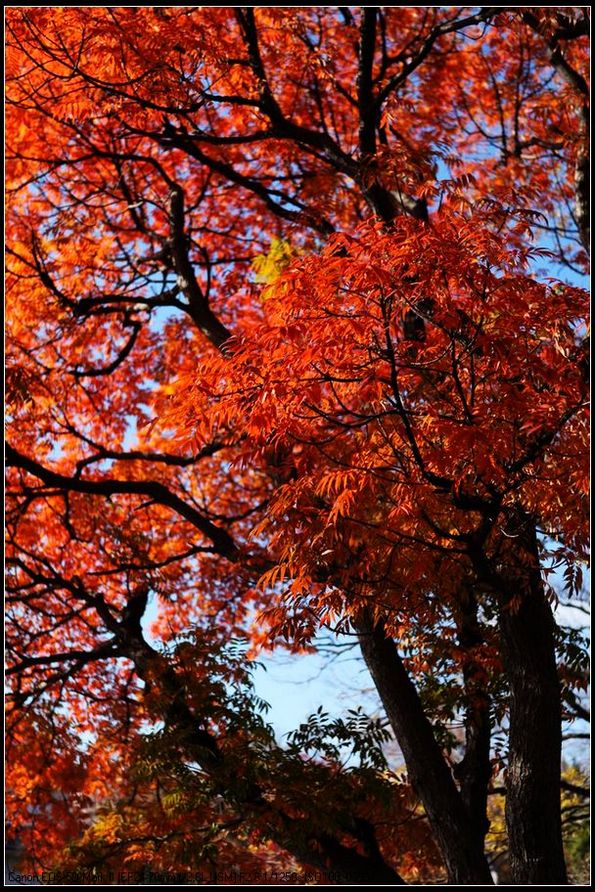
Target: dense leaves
{"x": 295, "y": 342}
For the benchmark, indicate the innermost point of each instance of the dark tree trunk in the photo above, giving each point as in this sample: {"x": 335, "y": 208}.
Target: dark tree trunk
{"x": 474, "y": 771}
{"x": 428, "y": 771}
{"x": 535, "y": 741}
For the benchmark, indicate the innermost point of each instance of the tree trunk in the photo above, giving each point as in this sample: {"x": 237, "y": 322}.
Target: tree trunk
{"x": 428, "y": 771}
{"x": 474, "y": 771}
{"x": 535, "y": 739}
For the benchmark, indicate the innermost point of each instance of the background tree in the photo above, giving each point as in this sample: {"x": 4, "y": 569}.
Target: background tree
{"x": 284, "y": 353}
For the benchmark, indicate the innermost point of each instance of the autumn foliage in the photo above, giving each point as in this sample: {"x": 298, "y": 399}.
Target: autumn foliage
{"x": 296, "y": 343}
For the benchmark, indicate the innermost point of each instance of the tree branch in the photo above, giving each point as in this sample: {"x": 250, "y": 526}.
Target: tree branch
{"x": 199, "y": 309}
{"x": 154, "y": 490}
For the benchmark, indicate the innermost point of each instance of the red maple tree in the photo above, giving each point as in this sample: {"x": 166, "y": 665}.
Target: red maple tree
{"x": 287, "y": 352}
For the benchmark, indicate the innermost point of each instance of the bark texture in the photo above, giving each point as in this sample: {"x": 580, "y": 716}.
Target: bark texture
{"x": 533, "y": 816}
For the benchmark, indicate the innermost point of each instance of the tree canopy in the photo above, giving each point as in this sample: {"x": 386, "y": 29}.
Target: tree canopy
{"x": 296, "y": 342}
